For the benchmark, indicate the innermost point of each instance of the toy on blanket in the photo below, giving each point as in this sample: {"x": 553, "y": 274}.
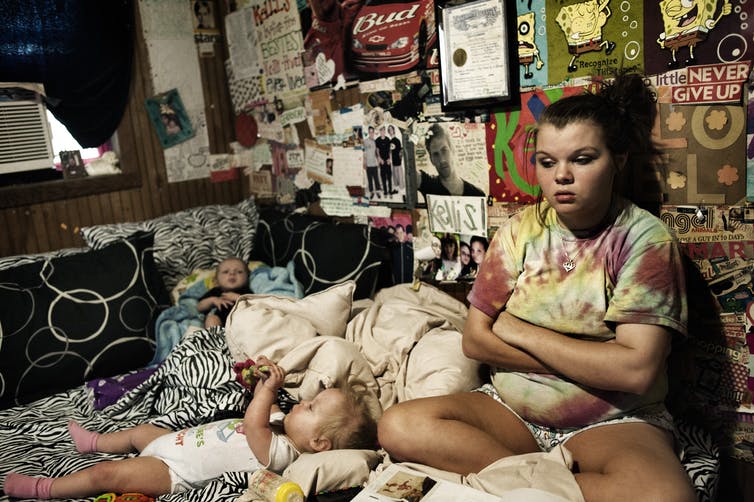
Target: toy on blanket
{"x": 124, "y": 497}
{"x": 247, "y": 373}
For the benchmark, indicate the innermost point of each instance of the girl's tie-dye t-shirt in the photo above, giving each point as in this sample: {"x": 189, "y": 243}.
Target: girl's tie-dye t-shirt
{"x": 631, "y": 271}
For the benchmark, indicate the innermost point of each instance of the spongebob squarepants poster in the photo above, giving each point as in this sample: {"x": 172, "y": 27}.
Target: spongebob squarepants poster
{"x": 531, "y": 29}
{"x": 681, "y": 33}
{"x": 593, "y": 37}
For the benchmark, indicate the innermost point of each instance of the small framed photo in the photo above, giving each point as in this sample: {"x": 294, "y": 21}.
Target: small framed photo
{"x": 72, "y": 164}
{"x": 203, "y": 12}
{"x": 170, "y": 120}
{"x": 477, "y": 43}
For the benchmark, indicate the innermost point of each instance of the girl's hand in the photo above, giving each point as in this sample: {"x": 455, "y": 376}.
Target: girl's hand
{"x": 507, "y": 327}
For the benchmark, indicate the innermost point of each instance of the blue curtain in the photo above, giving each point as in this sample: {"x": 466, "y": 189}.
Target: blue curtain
{"x": 81, "y": 50}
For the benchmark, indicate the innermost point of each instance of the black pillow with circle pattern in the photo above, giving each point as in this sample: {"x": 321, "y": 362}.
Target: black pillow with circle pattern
{"x": 325, "y": 251}
{"x": 187, "y": 240}
{"x": 69, "y": 319}
{"x": 24, "y": 259}
{"x": 279, "y": 235}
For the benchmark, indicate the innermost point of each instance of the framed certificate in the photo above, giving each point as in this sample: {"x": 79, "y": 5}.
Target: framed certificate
{"x": 477, "y": 43}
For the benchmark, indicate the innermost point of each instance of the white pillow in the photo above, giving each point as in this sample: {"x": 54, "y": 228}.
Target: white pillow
{"x": 332, "y": 470}
{"x": 436, "y": 366}
{"x": 273, "y": 325}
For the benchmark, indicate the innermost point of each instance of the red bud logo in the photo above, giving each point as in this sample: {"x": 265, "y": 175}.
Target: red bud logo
{"x": 373, "y": 19}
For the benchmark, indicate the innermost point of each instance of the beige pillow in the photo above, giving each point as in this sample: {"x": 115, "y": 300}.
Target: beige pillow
{"x": 332, "y": 470}
{"x": 436, "y": 366}
{"x": 273, "y": 325}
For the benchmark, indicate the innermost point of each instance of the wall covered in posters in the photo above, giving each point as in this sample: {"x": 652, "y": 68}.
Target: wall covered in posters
{"x": 347, "y": 94}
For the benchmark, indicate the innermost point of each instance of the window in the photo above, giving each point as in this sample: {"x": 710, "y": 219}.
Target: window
{"x": 62, "y": 140}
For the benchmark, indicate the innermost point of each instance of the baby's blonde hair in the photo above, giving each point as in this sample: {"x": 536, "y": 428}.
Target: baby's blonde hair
{"x": 353, "y": 427}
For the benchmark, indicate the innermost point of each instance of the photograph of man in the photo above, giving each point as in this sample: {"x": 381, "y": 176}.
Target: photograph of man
{"x": 447, "y": 181}
{"x": 396, "y": 157}
{"x": 371, "y": 164}
{"x": 204, "y": 17}
{"x": 386, "y": 171}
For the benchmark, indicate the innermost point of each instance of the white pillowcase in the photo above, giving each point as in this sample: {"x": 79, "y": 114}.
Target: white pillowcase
{"x": 256, "y": 321}
{"x": 437, "y": 366}
{"x": 332, "y": 470}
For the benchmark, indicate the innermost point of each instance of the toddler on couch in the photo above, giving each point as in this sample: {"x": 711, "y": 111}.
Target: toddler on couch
{"x": 232, "y": 277}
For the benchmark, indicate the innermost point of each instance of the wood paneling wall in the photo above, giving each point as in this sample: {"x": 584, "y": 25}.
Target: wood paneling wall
{"x": 53, "y": 225}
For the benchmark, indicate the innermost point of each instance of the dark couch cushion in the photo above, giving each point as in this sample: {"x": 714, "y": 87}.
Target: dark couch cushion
{"x": 324, "y": 251}
{"x": 279, "y": 234}
{"x": 69, "y": 319}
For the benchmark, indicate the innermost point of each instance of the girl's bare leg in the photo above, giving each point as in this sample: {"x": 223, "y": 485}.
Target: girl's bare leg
{"x": 631, "y": 462}
{"x": 148, "y": 475}
{"x": 461, "y": 433}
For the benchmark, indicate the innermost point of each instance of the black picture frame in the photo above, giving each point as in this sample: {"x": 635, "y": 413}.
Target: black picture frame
{"x": 72, "y": 164}
{"x": 469, "y": 33}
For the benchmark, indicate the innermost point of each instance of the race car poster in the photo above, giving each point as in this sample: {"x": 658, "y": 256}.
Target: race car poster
{"x": 389, "y": 37}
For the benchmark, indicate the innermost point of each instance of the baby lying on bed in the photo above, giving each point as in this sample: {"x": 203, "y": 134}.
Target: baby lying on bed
{"x": 172, "y": 462}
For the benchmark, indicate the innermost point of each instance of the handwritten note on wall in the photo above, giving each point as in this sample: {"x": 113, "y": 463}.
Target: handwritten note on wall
{"x": 457, "y": 215}
{"x": 280, "y": 44}
{"x": 315, "y": 161}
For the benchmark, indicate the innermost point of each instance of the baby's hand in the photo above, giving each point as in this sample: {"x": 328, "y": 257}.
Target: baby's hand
{"x": 273, "y": 376}
{"x": 230, "y": 295}
{"x": 248, "y": 373}
{"x": 221, "y": 301}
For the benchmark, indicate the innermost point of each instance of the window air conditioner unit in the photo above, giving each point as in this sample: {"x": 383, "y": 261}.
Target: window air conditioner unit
{"x": 25, "y": 139}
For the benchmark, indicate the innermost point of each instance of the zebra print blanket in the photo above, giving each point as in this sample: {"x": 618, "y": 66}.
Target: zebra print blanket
{"x": 193, "y": 385}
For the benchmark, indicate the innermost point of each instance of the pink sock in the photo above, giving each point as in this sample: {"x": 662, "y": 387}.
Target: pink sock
{"x": 86, "y": 441}
{"x": 27, "y": 487}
